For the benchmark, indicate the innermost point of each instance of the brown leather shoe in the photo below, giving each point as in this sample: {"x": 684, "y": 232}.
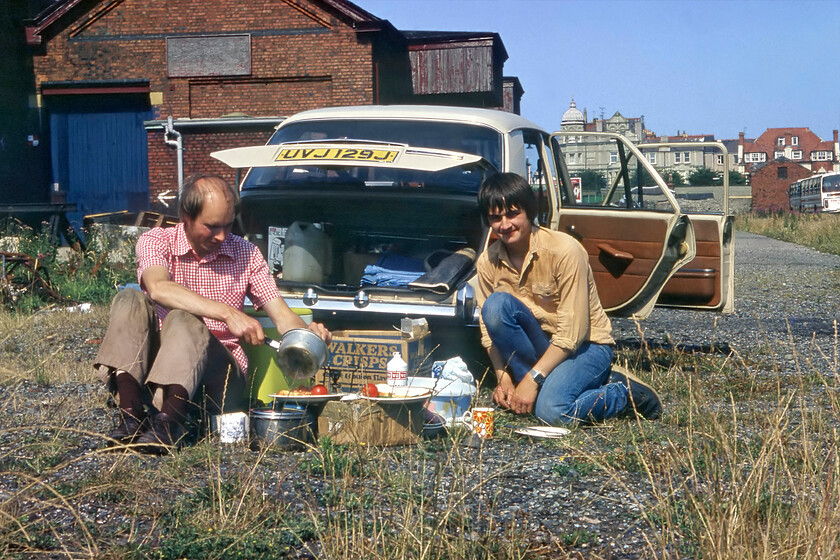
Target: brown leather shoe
{"x": 129, "y": 428}
{"x": 162, "y": 437}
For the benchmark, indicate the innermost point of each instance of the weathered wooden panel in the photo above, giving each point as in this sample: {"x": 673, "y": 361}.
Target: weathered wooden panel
{"x": 462, "y": 69}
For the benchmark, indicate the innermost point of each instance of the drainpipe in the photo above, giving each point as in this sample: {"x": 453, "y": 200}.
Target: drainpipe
{"x": 173, "y": 138}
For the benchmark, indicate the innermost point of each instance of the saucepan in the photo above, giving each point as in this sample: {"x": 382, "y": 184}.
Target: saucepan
{"x": 300, "y": 353}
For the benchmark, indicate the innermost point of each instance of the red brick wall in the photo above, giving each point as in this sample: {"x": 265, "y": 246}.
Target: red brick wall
{"x": 769, "y": 192}
{"x": 198, "y": 144}
{"x": 305, "y": 54}
{"x": 301, "y": 58}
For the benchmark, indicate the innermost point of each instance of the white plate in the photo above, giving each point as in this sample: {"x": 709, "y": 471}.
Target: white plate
{"x": 306, "y": 399}
{"x": 400, "y": 395}
{"x": 549, "y": 432}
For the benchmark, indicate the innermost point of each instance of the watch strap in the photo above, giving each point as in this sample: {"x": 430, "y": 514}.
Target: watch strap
{"x": 537, "y": 376}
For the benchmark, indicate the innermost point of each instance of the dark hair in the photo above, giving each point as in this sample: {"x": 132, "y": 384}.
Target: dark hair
{"x": 192, "y": 194}
{"x": 505, "y": 191}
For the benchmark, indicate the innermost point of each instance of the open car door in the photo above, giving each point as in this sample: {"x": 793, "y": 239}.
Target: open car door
{"x": 624, "y": 215}
{"x": 707, "y": 283}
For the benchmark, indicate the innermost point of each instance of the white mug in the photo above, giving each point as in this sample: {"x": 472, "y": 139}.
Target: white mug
{"x": 231, "y": 427}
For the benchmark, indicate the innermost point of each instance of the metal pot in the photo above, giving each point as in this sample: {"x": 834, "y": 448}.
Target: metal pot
{"x": 300, "y": 353}
{"x": 288, "y": 428}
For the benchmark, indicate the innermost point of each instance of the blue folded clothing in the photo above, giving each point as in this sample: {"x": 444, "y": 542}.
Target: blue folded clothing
{"x": 378, "y": 276}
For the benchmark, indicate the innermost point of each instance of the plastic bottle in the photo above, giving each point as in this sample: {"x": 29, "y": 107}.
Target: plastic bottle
{"x": 397, "y": 371}
{"x": 307, "y": 253}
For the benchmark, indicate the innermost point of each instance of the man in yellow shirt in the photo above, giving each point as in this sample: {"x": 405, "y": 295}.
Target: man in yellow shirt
{"x": 542, "y": 323}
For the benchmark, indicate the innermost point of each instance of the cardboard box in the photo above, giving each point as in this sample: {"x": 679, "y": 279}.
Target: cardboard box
{"x": 361, "y": 356}
{"x": 367, "y": 423}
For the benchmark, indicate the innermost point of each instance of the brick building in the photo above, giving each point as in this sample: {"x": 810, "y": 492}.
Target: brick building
{"x": 798, "y": 145}
{"x": 770, "y": 183}
{"x": 109, "y": 75}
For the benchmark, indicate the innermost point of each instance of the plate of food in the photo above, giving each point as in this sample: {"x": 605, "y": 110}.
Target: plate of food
{"x": 383, "y": 393}
{"x": 548, "y": 432}
{"x": 306, "y": 395}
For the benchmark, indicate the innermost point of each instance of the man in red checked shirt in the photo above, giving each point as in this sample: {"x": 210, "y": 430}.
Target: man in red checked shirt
{"x": 181, "y": 334}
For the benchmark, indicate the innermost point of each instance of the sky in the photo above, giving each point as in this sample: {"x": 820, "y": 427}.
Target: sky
{"x": 701, "y": 66}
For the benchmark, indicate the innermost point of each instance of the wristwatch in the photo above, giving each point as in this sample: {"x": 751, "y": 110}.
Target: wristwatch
{"x": 538, "y": 377}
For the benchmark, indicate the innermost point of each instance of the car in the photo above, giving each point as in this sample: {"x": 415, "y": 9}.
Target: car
{"x": 338, "y": 191}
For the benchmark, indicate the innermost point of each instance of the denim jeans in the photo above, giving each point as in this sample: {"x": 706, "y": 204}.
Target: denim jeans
{"x": 574, "y": 391}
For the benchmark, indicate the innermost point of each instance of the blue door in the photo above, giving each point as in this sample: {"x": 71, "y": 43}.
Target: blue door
{"x": 99, "y": 153}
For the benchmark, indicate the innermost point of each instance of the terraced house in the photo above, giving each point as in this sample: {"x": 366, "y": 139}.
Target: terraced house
{"x": 798, "y": 145}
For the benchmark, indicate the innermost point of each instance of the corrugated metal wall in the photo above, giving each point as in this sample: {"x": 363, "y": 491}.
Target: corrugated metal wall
{"x": 99, "y": 153}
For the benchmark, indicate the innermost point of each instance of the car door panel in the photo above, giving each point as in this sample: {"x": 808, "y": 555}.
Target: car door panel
{"x": 630, "y": 253}
{"x": 707, "y": 281}
{"x": 635, "y": 237}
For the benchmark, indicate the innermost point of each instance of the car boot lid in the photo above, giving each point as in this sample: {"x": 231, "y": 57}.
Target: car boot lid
{"x": 343, "y": 153}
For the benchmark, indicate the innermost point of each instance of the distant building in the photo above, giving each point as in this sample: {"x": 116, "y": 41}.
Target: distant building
{"x": 601, "y": 158}
{"x": 799, "y": 145}
{"x": 732, "y": 150}
{"x": 770, "y": 183}
{"x": 682, "y": 159}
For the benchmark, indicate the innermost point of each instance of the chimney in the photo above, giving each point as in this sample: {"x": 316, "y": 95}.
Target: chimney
{"x": 836, "y": 150}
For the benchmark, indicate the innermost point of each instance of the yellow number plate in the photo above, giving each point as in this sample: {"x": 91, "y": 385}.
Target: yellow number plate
{"x": 340, "y": 154}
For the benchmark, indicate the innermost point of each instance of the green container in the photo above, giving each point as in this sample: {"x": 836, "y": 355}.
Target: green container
{"x": 264, "y": 375}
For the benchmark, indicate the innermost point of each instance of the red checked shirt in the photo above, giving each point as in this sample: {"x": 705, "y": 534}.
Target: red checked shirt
{"x": 237, "y": 269}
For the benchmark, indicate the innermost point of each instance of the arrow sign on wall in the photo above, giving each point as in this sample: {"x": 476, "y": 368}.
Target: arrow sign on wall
{"x": 164, "y": 196}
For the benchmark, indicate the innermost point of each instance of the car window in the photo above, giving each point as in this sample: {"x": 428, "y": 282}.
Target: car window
{"x": 605, "y": 173}
{"x": 458, "y": 137}
{"x": 531, "y": 157}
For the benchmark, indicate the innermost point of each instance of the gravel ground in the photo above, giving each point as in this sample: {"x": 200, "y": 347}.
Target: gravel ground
{"x": 786, "y": 306}
{"x": 786, "y": 302}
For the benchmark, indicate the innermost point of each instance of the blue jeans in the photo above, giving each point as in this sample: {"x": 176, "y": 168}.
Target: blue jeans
{"x": 574, "y": 391}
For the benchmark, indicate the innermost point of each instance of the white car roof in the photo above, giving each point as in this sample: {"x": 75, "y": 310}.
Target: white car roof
{"x": 500, "y": 120}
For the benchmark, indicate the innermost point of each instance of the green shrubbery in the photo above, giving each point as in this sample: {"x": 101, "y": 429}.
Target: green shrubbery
{"x": 55, "y": 275}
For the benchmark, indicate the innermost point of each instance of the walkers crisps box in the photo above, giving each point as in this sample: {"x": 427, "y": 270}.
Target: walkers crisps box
{"x": 361, "y": 356}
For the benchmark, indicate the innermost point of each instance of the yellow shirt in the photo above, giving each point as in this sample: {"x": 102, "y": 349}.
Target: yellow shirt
{"x": 556, "y": 284}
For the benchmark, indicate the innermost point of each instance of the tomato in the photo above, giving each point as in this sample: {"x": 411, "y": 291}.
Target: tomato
{"x": 370, "y": 390}
{"x": 319, "y": 390}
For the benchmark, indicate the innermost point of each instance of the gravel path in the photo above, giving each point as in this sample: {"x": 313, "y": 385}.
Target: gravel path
{"x": 786, "y": 306}
{"x": 784, "y": 293}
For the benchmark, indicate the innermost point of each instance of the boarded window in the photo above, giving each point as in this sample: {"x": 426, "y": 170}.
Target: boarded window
{"x": 781, "y": 173}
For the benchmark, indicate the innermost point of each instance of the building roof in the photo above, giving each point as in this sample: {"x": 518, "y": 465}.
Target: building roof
{"x": 731, "y": 145}
{"x": 680, "y": 138}
{"x": 361, "y": 19}
{"x": 573, "y": 114}
{"x": 808, "y": 141}
{"x": 418, "y": 40}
